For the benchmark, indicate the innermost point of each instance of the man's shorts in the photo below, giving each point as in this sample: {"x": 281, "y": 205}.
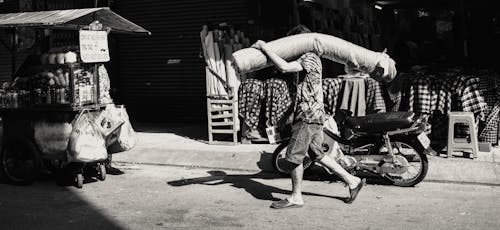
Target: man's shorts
{"x": 306, "y": 139}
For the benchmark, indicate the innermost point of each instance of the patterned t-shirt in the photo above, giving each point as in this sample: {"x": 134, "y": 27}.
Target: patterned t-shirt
{"x": 309, "y": 100}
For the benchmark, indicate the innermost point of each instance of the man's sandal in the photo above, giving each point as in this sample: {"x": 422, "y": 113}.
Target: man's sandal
{"x": 285, "y": 203}
{"x": 354, "y": 191}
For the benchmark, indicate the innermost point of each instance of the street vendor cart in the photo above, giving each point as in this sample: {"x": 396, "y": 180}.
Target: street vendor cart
{"x": 53, "y": 101}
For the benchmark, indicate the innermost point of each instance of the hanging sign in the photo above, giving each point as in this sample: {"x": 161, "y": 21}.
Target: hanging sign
{"x": 94, "y": 46}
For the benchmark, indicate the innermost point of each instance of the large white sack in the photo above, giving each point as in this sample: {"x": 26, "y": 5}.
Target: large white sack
{"x": 52, "y": 138}
{"x": 327, "y": 46}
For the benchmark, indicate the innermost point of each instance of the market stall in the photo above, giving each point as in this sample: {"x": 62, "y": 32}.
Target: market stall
{"x": 57, "y": 112}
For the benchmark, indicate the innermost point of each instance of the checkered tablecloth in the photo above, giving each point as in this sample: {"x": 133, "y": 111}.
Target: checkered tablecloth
{"x": 490, "y": 132}
{"x": 375, "y": 102}
{"x": 489, "y": 87}
{"x": 331, "y": 91}
{"x": 420, "y": 95}
{"x": 470, "y": 96}
{"x": 438, "y": 94}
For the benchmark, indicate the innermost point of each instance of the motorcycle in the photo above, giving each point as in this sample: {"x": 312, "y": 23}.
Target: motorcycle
{"x": 391, "y": 145}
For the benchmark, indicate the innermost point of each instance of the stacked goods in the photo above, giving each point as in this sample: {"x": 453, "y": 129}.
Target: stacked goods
{"x": 218, "y": 45}
{"x": 49, "y": 85}
{"x": 84, "y": 87}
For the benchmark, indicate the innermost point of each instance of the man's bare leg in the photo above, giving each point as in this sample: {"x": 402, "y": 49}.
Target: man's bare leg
{"x": 296, "y": 174}
{"x": 333, "y": 166}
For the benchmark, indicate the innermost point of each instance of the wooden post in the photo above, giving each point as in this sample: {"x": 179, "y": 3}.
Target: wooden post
{"x": 209, "y": 113}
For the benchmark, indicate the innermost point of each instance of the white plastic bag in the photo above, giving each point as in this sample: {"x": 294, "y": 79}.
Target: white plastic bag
{"x": 86, "y": 144}
{"x": 334, "y": 150}
{"x": 124, "y": 138}
{"x": 108, "y": 120}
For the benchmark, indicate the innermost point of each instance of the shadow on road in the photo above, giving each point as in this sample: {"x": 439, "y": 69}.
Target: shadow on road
{"x": 244, "y": 181}
{"x": 44, "y": 205}
{"x": 317, "y": 173}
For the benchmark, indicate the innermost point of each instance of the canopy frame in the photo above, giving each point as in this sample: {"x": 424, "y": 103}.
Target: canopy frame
{"x": 70, "y": 19}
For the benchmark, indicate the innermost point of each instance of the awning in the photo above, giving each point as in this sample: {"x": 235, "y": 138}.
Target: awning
{"x": 71, "y": 19}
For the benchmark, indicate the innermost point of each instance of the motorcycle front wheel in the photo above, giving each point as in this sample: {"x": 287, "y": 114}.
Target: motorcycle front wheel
{"x": 417, "y": 160}
{"x": 279, "y": 162}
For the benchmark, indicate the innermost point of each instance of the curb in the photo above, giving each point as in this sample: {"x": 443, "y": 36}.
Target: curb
{"x": 445, "y": 170}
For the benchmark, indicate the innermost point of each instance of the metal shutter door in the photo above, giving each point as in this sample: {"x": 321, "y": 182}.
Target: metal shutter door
{"x": 151, "y": 88}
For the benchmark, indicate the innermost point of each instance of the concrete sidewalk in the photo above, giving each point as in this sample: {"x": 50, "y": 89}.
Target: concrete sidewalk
{"x": 186, "y": 145}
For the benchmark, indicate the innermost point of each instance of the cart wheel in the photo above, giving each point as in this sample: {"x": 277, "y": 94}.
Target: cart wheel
{"x": 101, "y": 171}
{"x": 20, "y": 162}
{"x": 79, "y": 180}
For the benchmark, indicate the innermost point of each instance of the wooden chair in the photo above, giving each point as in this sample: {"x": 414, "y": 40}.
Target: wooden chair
{"x": 222, "y": 111}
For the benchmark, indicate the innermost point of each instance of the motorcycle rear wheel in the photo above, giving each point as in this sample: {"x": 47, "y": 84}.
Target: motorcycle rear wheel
{"x": 278, "y": 160}
{"x": 417, "y": 159}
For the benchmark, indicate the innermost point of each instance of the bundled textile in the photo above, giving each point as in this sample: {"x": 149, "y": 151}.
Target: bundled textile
{"x": 327, "y": 46}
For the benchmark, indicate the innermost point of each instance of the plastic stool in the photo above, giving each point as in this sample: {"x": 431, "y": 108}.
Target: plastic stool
{"x": 466, "y": 118}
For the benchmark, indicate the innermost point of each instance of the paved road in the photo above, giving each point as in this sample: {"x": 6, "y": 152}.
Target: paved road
{"x": 160, "y": 197}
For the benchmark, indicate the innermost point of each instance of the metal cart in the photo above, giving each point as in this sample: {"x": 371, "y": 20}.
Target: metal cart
{"x": 20, "y": 157}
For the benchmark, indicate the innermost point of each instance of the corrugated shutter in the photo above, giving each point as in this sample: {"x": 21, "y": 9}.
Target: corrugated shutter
{"x": 8, "y": 6}
{"x": 151, "y": 88}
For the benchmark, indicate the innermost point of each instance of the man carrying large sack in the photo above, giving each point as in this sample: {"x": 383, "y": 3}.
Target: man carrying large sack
{"x": 309, "y": 115}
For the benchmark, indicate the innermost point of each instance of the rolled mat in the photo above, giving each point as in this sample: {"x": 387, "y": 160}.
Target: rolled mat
{"x": 326, "y": 46}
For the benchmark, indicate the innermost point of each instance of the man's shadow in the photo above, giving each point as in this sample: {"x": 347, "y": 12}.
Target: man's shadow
{"x": 246, "y": 181}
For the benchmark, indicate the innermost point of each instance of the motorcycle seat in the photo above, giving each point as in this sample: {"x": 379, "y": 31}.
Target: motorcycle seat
{"x": 380, "y": 122}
